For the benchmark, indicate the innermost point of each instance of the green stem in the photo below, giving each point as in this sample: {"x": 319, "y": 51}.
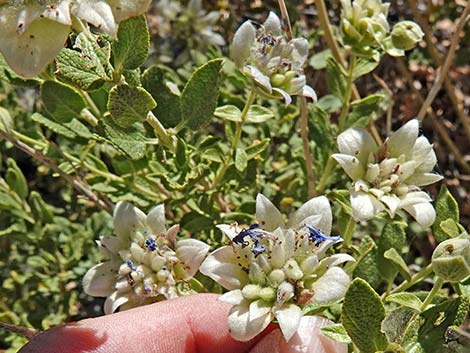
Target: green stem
{"x": 347, "y": 236}
{"x": 347, "y": 98}
{"x": 425, "y": 272}
{"x": 93, "y": 107}
{"x": 243, "y": 116}
{"x": 236, "y": 138}
{"x": 325, "y": 175}
{"x": 437, "y": 286}
{"x": 161, "y": 132}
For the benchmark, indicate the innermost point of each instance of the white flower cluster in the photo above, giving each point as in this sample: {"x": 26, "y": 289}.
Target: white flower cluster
{"x": 144, "y": 262}
{"x": 388, "y": 177}
{"x": 273, "y": 269}
{"x": 365, "y": 27}
{"x": 274, "y": 63}
{"x": 33, "y": 32}
{"x": 199, "y": 21}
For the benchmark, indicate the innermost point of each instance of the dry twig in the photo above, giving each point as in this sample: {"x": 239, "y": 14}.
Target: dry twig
{"x": 438, "y": 126}
{"x": 79, "y": 185}
{"x": 447, "y": 62}
{"x": 436, "y": 56}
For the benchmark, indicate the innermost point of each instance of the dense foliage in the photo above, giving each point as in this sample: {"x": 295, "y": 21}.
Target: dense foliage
{"x": 190, "y": 106}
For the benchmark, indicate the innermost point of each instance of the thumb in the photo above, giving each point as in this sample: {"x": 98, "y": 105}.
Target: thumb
{"x": 307, "y": 339}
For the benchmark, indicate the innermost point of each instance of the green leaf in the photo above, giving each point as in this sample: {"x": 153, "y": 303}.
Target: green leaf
{"x": 180, "y": 154}
{"x": 446, "y": 207}
{"x": 241, "y": 160}
{"x": 337, "y": 333}
{"x": 362, "y": 316}
{"x": 342, "y": 198}
{"x": 168, "y": 110}
{"x": 396, "y": 323}
{"x": 15, "y": 179}
{"x": 408, "y": 300}
{"x": 428, "y": 333}
{"x": 330, "y": 103}
{"x": 71, "y": 129}
{"x": 258, "y": 114}
{"x": 257, "y": 148}
{"x": 228, "y": 112}
{"x": 319, "y": 60}
{"x": 131, "y": 47}
{"x": 393, "y": 236}
{"x": 130, "y": 140}
{"x": 366, "y": 265}
{"x": 6, "y": 122}
{"x": 129, "y": 105}
{"x": 62, "y": 102}
{"x": 336, "y": 78}
{"x": 200, "y": 95}
{"x": 364, "y": 66}
{"x": 365, "y": 109}
{"x": 451, "y": 228}
{"x": 40, "y": 209}
{"x": 398, "y": 262}
{"x": 88, "y": 66}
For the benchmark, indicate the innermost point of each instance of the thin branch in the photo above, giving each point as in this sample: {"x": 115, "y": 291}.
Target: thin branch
{"x": 438, "y": 126}
{"x": 445, "y": 67}
{"x": 436, "y": 56}
{"x": 79, "y": 185}
{"x": 285, "y": 18}
{"x": 330, "y": 39}
{"x": 19, "y": 330}
{"x": 387, "y": 89}
{"x": 333, "y": 46}
{"x": 304, "y": 133}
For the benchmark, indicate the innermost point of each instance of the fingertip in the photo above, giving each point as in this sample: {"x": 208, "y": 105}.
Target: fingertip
{"x": 189, "y": 324}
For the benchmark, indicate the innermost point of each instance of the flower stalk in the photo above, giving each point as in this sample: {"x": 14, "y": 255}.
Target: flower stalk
{"x": 347, "y": 98}
{"x": 416, "y": 278}
{"x": 435, "y": 289}
{"x": 236, "y": 138}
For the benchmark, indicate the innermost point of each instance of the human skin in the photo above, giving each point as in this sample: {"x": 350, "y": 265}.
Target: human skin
{"x": 193, "y": 324}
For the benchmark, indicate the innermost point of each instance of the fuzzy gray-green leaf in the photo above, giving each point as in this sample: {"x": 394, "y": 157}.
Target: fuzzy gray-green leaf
{"x": 129, "y": 105}
{"x": 130, "y": 49}
{"x": 200, "y": 95}
{"x": 446, "y": 207}
{"x": 61, "y": 101}
{"x": 362, "y": 317}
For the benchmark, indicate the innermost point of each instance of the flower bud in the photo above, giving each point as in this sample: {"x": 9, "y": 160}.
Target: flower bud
{"x": 267, "y": 294}
{"x": 293, "y": 270}
{"x": 406, "y": 34}
{"x": 277, "y": 79}
{"x": 251, "y": 291}
{"x": 451, "y": 260}
{"x": 277, "y": 276}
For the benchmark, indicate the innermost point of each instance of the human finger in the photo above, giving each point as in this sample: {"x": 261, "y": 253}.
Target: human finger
{"x": 189, "y": 324}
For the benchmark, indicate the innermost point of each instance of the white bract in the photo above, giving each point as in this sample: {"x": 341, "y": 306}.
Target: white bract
{"x": 272, "y": 269}
{"x": 273, "y": 62}
{"x": 388, "y": 177}
{"x": 33, "y": 32}
{"x": 144, "y": 262}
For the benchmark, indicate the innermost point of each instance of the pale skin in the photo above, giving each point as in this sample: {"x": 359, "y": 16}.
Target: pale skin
{"x": 193, "y": 324}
